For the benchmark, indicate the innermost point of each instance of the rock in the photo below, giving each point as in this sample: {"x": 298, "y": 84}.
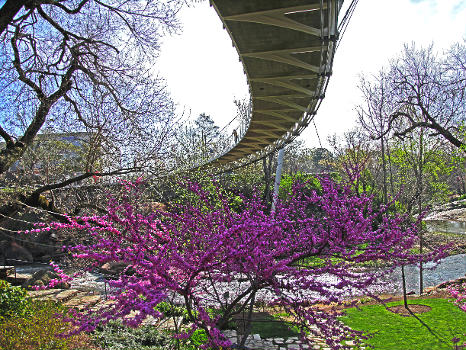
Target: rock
{"x": 66, "y": 295}
{"x": 152, "y": 207}
{"x": 88, "y": 301}
{"x": 15, "y": 253}
{"x": 37, "y": 244}
{"x": 43, "y": 293}
{"x": 42, "y": 278}
{"x": 116, "y": 269}
{"x": 6, "y": 270}
{"x": 448, "y": 284}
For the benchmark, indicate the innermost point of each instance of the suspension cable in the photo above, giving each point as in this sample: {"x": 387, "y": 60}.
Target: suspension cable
{"x": 317, "y": 132}
{"x": 345, "y": 21}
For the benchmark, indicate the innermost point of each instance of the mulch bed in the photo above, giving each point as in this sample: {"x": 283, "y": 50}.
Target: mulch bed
{"x": 413, "y": 309}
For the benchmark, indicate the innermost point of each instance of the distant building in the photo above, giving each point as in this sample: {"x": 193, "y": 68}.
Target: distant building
{"x": 52, "y": 157}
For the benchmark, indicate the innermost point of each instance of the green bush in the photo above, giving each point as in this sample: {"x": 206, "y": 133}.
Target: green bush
{"x": 13, "y": 300}
{"x": 213, "y": 188}
{"x": 198, "y": 338}
{"x": 287, "y": 182}
{"x": 115, "y": 336}
{"x": 40, "y": 329}
{"x": 171, "y": 310}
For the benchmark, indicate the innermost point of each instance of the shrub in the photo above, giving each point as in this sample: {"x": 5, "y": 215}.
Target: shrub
{"x": 115, "y": 336}
{"x": 40, "y": 329}
{"x": 287, "y": 182}
{"x": 196, "y": 340}
{"x": 13, "y": 300}
{"x": 170, "y": 310}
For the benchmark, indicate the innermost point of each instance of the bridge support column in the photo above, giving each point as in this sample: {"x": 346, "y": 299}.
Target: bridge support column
{"x": 278, "y": 177}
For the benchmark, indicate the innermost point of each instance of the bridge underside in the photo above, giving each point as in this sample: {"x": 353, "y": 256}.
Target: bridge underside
{"x": 286, "y": 47}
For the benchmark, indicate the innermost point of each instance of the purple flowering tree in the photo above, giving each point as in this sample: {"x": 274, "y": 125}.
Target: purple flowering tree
{"x": 209, "y": 256}
{"x": 459, "y": 293}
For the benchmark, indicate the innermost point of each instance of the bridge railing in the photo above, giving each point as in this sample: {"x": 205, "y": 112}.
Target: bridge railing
{"x": 230, "y": 135}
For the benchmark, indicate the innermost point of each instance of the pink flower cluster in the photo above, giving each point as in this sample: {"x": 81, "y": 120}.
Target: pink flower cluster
{"x": 63, "y": 278}
{"x": 459, "y": 293}
{"x": 208, "y": 255}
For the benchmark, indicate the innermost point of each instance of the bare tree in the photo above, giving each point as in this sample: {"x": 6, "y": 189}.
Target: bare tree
{"x": 430, "y": 92}
{"x": 374, "y": 116}
{"x": 84, "y": 66}
{"x": 422, "y": 95}
{"x": 354, "y": 158}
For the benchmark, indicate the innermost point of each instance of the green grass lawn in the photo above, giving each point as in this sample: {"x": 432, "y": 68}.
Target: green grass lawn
{"x": 268, "y": 326}
{"x": 395, "y": 332}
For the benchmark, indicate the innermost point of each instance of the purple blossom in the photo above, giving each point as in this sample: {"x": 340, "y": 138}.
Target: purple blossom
{"x": 459, "y": 293}
{"x": 190, "y": 254}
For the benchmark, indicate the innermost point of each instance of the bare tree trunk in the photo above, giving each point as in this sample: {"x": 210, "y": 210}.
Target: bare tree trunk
{"x": 384, "y": 171}
{"x": 403, "y": 283}
{"x": 247, "y": 329}
{"x": 267, "y": 166}
{"x": 390, "y": 169}
{"x": 421, "y": 233}
{"x": 278, "y": 176}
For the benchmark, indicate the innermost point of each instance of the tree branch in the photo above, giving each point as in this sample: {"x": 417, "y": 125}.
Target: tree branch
{"x": 17, "y": 64}
{"x": 66, "y": 9}
{"x": 433, "y": 125}
{"x": 7, "y": 137}
{"x": 8, "y": 12}
{"x": 82, "y": 177}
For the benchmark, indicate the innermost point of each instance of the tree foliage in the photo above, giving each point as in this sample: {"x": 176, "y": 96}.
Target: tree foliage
{"x": 459, "y": 293}
{"x": 412, "y": 117}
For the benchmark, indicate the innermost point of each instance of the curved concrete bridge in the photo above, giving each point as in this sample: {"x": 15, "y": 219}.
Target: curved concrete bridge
{"x": 287, "y": 49}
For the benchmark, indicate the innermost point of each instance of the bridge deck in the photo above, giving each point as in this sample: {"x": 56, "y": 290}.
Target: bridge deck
{"x": 286, "y": 47}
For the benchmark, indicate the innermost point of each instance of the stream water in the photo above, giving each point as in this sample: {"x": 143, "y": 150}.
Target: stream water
{"x": 446, "y": 226}
{"x": 450, "y": 268}
{"x": 86, "y": 281}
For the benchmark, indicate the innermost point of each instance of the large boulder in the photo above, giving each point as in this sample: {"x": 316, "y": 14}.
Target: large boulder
{"x": 452, "y": 283}
{"x": 14, "y": 253}
{"x": 151, "y": 207}
{"x": 38, "y": 244}
{"x": 42, "y": 278}
{"x": 115, "y": 269}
